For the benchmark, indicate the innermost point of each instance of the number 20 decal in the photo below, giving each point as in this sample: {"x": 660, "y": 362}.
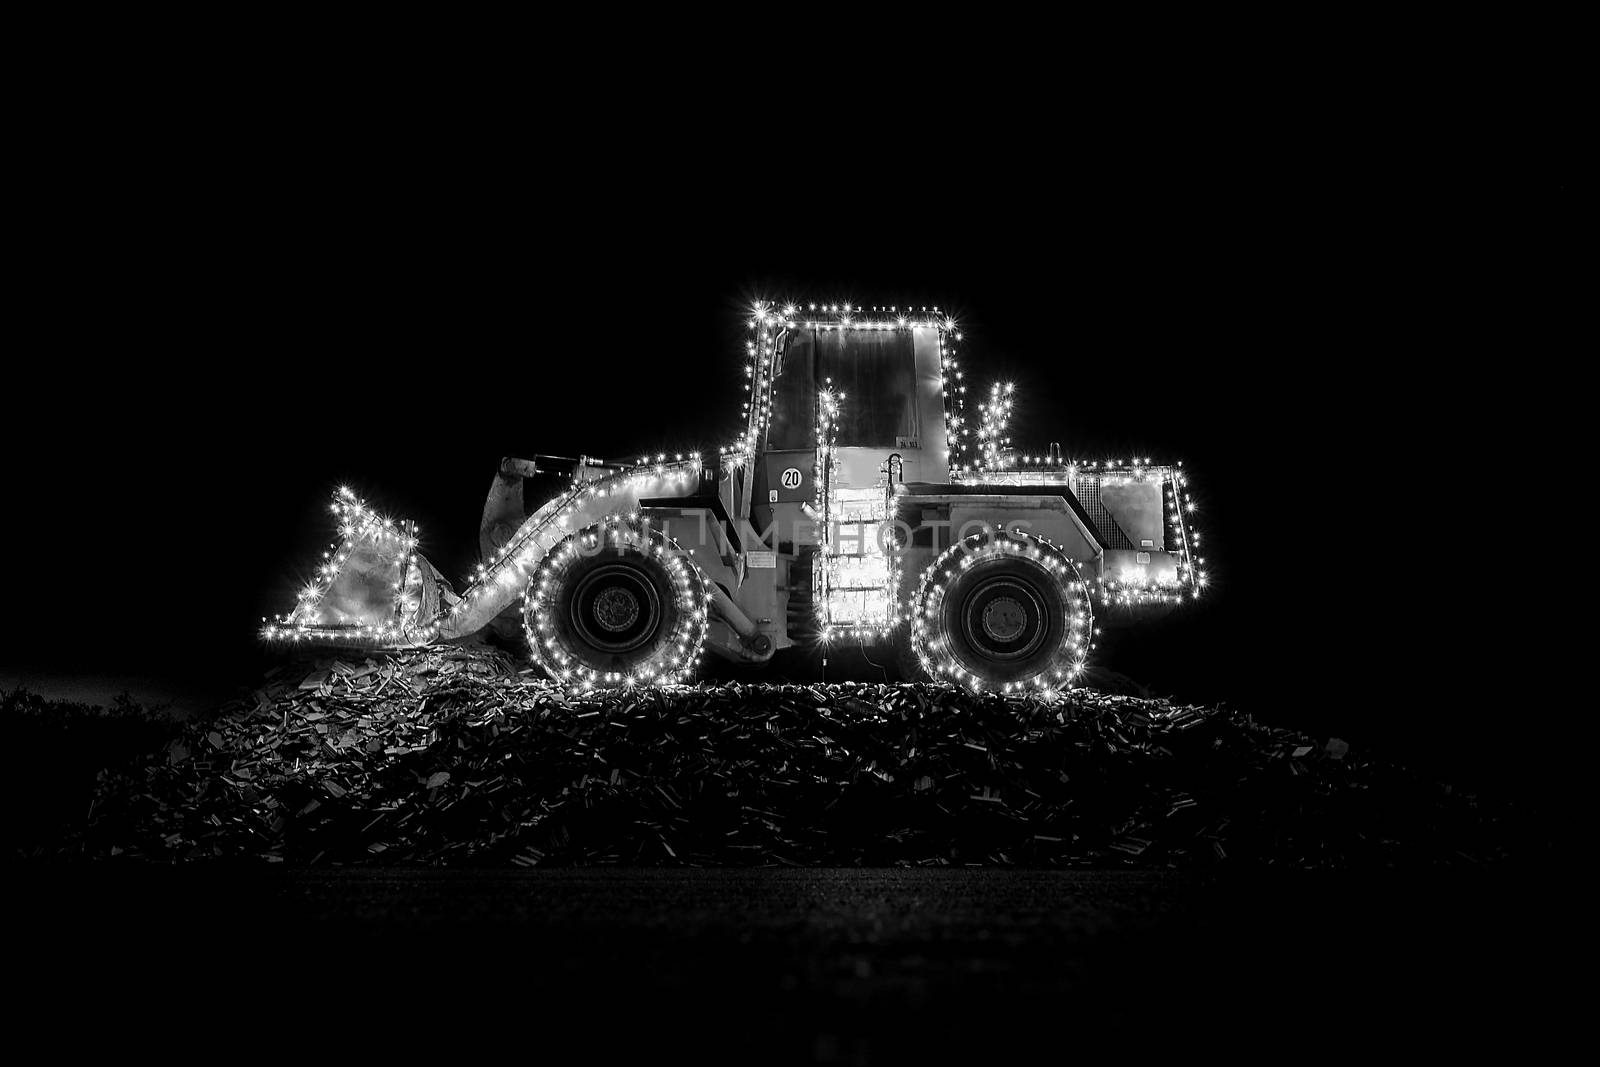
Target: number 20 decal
{"x": 791, "y": 478}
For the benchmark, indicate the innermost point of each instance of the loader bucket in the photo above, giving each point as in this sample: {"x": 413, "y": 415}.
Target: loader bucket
{"x": 373, "y": 588}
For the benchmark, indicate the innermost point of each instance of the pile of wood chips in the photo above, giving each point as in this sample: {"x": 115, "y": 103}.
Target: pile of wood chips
{"x": 454, "y": 756}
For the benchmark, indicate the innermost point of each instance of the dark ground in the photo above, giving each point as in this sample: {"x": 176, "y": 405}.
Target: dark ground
{"x": 783, "y": 965}
{"x": 225, "y": 960}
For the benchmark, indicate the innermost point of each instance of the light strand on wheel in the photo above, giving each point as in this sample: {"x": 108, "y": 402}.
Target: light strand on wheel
{"x": 674, "y": 659}
{"x": 931, "y": 644}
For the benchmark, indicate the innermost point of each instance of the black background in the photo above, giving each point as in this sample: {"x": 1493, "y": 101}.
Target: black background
{"x": 232, "y": 318}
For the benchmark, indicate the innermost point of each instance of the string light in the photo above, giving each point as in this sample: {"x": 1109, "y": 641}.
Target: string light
{"x": 674, "y": 657}
{"x": 770, "y": 329}
{"x": 930, "y": 641}
{"x": 993, "y": 443}
{"x": 856, "y": 592}
{"x": 1128, "y": 588}
{"x": 394, "y": 545}
{"x": 511, "y": 565}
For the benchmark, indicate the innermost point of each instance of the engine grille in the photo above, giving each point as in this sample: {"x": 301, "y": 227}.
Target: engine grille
{"x": 1111, "y": 535}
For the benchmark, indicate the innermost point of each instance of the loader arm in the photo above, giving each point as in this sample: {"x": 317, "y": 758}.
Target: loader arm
{"x": 503, "y": 512}
{"x": 500, "y": 581}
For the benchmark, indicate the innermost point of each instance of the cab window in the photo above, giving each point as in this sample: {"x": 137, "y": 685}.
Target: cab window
{"x": 874, "y": 369}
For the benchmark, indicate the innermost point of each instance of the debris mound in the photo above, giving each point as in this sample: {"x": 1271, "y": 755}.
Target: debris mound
{"x": 453, "y": 756}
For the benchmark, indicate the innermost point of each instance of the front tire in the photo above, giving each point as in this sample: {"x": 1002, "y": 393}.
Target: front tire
{"x": 616, "y": 604}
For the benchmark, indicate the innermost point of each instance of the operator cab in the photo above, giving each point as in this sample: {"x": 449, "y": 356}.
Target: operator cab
{"x": 886, "y": 380}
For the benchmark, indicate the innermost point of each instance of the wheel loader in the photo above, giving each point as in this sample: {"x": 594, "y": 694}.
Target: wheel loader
{"x": 865, "y": 501}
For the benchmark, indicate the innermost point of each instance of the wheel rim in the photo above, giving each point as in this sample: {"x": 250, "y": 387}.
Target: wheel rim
{"x": 616, "y": 608}
{"x": 1004, "y": 619}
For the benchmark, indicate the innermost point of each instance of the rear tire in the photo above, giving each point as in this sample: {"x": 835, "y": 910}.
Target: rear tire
{"x": 616, "y": 604}
{"x": 1003, "y": 611}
